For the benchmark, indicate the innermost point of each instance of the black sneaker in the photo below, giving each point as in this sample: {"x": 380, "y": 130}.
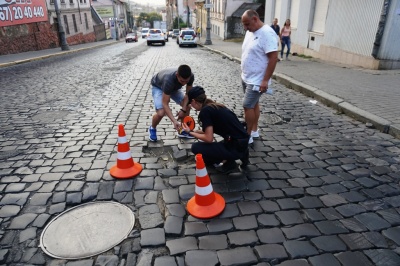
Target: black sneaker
{"x": 227, "y": 167}
{"x": 245, "y": 159}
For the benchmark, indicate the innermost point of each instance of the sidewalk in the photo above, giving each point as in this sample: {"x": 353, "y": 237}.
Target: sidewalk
{"x": 370, "y": 96}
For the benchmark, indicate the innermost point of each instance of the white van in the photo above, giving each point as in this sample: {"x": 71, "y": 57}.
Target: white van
{"x": 145, "y": 31}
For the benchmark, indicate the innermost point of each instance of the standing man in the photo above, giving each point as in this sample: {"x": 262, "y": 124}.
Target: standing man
{"x": 166, "y": 85}
{"x": 259, "y": 58}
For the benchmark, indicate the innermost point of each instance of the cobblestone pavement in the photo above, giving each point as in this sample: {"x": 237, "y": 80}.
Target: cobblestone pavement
{"x": 321, "y": 188}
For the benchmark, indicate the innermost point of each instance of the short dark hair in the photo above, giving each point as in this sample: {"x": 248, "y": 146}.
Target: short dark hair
{"x": 184, "y": 71}
{"x": 251, "y": 13}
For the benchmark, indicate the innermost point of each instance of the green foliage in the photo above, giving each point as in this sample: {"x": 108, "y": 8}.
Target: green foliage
{"x": 181, "y": 23}
{"x": 149, "y": 17}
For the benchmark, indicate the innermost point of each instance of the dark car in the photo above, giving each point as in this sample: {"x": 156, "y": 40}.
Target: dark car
{"x": 131, "y": 37}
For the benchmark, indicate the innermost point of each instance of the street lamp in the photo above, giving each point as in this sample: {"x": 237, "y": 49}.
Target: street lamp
{"x": 64, "y": 44}
{"x": 115, "y": 21}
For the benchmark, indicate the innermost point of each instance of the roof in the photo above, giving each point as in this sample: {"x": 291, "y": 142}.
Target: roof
{"x": 239, "y": 12}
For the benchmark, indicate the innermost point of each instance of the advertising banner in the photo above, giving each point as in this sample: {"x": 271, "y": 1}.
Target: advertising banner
{"x": 14, "y": 12}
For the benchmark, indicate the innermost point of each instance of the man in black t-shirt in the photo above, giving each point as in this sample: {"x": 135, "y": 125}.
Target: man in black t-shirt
{"x": 166, "y": 85}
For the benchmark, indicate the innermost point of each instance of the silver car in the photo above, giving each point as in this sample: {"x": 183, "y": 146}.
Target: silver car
{"x": 155, "y": 36}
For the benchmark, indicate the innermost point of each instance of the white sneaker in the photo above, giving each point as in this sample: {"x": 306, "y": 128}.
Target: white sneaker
{"x": 251, "y": 140}
{"x": 255, "y": 134}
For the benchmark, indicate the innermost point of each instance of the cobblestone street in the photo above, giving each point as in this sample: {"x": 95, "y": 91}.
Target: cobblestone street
{"x": 321, "y": 188}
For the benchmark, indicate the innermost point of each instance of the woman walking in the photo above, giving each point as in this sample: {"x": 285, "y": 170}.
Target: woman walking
{"x": 285, "y": 38}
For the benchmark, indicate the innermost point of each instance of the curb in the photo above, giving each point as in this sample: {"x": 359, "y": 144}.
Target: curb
{"x": 53, "y": 55}
{"x": 329, "y": 100}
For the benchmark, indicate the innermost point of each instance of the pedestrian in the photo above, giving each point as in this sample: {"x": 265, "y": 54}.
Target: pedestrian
{"x": 166, "y": 85}
{"x": 277, "y": 30}
{"x": 259, "y": 58}
{"x": 217, "y": 118}
{"x": 285, "y": 38}
{"x": 276, "y": 27}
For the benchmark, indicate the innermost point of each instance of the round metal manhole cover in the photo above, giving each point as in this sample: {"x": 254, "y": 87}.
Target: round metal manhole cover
{"x": 87, "y": 230}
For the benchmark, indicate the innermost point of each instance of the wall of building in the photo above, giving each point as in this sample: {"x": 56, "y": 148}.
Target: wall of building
{"x": 27, "y": 37}
{"x": 347, "y": 34}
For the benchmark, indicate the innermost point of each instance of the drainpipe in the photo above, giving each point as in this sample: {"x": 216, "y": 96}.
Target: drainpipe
{"x": 225, "y": 22}
{"x": 381, "y": 28}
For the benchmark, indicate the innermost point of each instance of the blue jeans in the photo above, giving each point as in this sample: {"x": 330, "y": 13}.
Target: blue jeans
{"x": 285, "y": 41}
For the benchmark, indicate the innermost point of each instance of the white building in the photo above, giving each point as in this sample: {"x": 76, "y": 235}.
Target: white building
{"x": 362, "y": 33}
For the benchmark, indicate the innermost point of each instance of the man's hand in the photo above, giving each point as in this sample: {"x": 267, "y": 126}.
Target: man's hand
{"x": 177, "y": 125}
{"x": 180, "y": 115}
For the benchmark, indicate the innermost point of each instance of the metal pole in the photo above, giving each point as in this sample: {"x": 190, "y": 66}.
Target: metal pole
{"x": 115, "y": 21}
{"x": 64, "y": 44}
{"x": 208, "y": 36}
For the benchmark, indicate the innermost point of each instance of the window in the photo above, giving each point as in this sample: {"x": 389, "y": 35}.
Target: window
{"x": 74, "y": 21}
{"x": 86, "y": 21}
{"x": 66, "y": 24}
{"x": 62, "y": 1}
{"x": 320, "y": 13}
{"x": 71, "y": 2}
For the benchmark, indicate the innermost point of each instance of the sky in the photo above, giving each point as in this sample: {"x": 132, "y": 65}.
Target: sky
{"x": 150, "y": 2}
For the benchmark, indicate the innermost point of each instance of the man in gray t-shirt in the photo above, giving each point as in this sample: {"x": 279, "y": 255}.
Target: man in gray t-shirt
{"x": 166, "y": 85}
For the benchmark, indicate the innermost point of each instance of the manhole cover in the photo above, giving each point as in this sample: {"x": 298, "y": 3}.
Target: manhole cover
{"x": 87, "y": 230}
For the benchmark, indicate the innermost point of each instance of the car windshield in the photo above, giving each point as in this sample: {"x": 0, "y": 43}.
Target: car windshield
{"x": 131, "y": 34}
{"x": 155, "y": 31}
{"x": 145, "y": 31}
{"x": 187, "y": 32}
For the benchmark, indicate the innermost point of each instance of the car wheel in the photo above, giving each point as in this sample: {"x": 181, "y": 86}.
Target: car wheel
{"x": 180, "y": 45}
{"x": 195, "y": 45}
{"x": 163, "y": 43}
{"x": 148, "y": 43}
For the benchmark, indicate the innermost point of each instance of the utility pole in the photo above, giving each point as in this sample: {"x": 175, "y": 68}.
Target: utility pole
{"x": 208, "y": 28}
{"x": 115, "y": 21}
{"x": 63, "y": 40}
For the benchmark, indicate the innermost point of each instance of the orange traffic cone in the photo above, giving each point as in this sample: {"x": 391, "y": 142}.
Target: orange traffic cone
{"x": 125, "y": 167}
{"x": 205, "y": 203}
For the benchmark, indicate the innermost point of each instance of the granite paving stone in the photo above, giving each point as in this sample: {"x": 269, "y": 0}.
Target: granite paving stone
{"x": 326, "y": 259}
{"x": 195, "y": 229}
{"x": 271, "y": 236}
{"x": 173, "y": 225}
{"x": 299, "y": 249}
{"x": 242, "y": 238}
{"x": 237, "y": 256}
{"x": 181, "y": 245}
{"x": 269, "y": 206}
{"x": 200, "y": 258}
{"x": 288, "y": 204}
{"x": 301, "y": 230}
{"x": 329, "y": 243}
{"x": 330, "y": 227}
{"x": 231, "y": 210}
{"x": 152, "y": 237}
{"x": 271, "y": 252}
{"x": 245, "y": 222}
{"x": 392, "y": 234}
{"x": 353, "y": 225}
{"x": 268, "y": 220}
{"x": 372, "y": 221}
{"x": 356, "y": 258}
{"x": 22, "y": 221}
{"x": 332, "y": 200}
{"x": 330, "y": 213}
{"x": 356, "y": 241}
{"x": 249, "y": 207}
{"x": 383, "y": 257}
{"x": 9, "y": 211}
{"x": 289, "y": 217}
{"x": 213, "y": 242}
{"x": 299, "y": 262}
{"x": 309, "y": 202}
{"x": 164, "y": 261}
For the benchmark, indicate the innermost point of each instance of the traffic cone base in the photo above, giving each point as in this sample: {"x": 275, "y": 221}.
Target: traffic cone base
{"x": 125, "y": 167}
{"x": 206, "y": 212}
{"x": 126, "y": 173}
{"x": 205, "y": 203}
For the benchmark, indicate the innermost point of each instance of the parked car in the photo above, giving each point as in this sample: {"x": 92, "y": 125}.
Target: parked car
{"x": 187, "y": 37}
{"x": 170, "y": 33}
{"x": 155, "y": 36}
{"x": 131, "y": 37}
{"x": 145, "y": 31}
{"x": 175, "y": 33}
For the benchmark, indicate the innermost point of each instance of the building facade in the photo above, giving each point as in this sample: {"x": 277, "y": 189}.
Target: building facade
{"x": 361, "y": 33}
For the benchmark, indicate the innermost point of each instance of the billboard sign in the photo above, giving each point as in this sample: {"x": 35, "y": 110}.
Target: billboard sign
{"x": 14, "y": 12}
